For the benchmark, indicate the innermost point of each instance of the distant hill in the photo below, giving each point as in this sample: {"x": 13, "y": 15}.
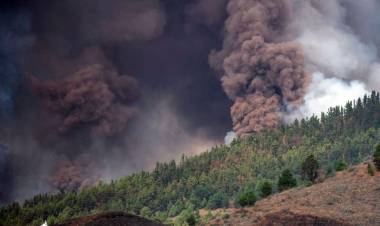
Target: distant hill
{"x": 174, "y": 192}
{"x": 351, "y": 197}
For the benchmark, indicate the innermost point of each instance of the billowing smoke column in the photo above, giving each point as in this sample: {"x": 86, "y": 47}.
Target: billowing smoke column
{"x": 94, "y": 97}
{"x": 263, "y": 74}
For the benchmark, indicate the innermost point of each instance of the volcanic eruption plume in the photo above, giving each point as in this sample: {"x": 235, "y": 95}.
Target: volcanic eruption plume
{"x": 263, "y": 74}
{"x": 94, "y": 97}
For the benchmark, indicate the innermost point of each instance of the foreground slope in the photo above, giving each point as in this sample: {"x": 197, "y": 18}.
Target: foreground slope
{"x": 114, "y": 218}
{"x": 351, "y": 197}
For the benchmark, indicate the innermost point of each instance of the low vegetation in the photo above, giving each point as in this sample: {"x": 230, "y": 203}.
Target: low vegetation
{"x": 265, "y": 189}
{"x": 376, "y": 157}
{"x": 286, "y": 180}
{"x": 310, "y": 169}
{"x": 340, "y": 165}
{"x": 246, "y": 199}
{"x": 175, "y": 191}
{"x": 370, "y": 169}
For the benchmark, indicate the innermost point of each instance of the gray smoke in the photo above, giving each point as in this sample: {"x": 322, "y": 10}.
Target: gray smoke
{"x": 340, "y": 40}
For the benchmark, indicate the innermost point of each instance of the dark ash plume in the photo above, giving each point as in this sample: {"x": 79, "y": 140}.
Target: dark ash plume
{"x": 96, "y": 98}
{"x": 79, "y": 99}
{"x": 262, "y": 74}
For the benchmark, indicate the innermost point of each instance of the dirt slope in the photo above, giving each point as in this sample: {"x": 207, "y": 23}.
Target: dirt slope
{"x": 110, "y": 219}
{"x": 351, "y": 197}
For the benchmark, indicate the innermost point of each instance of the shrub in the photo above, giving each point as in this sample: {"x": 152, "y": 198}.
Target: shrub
{"x": 246, "y": 199}
{"x": 265, "y": 189}
{"x": 145, "y": 212}
{"x": 218, "y": 200}
{"x": 376, "y": 157}
{"x": 51, "y": 220}
{"x": 187, "y": 217}
{"x": 286, "y": 180}
{"x": 330, "y": 172}
{"x": 160, "y": 216}
{"x": 370, "y": 170}
{"x": 309, "y": 168}
{"x": 340, "y": 165}
{"x": 175, "y": 209}
{"x": 191, "y": 220}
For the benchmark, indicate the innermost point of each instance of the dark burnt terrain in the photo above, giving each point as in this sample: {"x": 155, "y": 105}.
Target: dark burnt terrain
{"x": 110, "y": 219}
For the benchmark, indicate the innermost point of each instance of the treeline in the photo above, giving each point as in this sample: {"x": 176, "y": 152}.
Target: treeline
{"x": 174, "y": 191}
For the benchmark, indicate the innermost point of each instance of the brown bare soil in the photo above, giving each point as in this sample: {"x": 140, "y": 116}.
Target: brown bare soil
{"x": 351, "y": 197}
{"x": 110, "y": 219}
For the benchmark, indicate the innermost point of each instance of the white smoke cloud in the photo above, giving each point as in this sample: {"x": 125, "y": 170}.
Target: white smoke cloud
{"x": 230, "y": 136}
{"x": 325, "y": 92}
{"x": 343, "y": 65}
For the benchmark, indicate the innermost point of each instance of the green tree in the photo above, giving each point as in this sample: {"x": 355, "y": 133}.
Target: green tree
{"x": 160, "y": 216}
{"x": 286, "y": 180}
{"x": 145, "y": 212}
{"x": 246, "y": 199}
{"x": 51, "y": 220}
{"x": 175, "y": 209}
{"x": 191, "y": 220}
{"x": 187, "y": 217}
{"x": 330, "y": 171}
{"x": 218, "y": 200}
{"x": 376, "y": 157}
{"x": 340, "y": 165}
{"x": 309, "y": 169}
{"x": 265, "y": 189}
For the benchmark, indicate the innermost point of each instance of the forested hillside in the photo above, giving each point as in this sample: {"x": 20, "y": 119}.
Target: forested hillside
{"x": 343, "y": 135}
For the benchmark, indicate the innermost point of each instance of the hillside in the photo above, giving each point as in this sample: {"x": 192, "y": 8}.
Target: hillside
{"x": 115, "y": 218}
{"x": 176, "y": 190}
{"x": 351, "y": 197}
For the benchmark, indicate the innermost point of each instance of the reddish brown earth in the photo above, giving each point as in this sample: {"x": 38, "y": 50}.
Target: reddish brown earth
{"x": 351, "y": 197}
{"x": 110, "y": 219}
